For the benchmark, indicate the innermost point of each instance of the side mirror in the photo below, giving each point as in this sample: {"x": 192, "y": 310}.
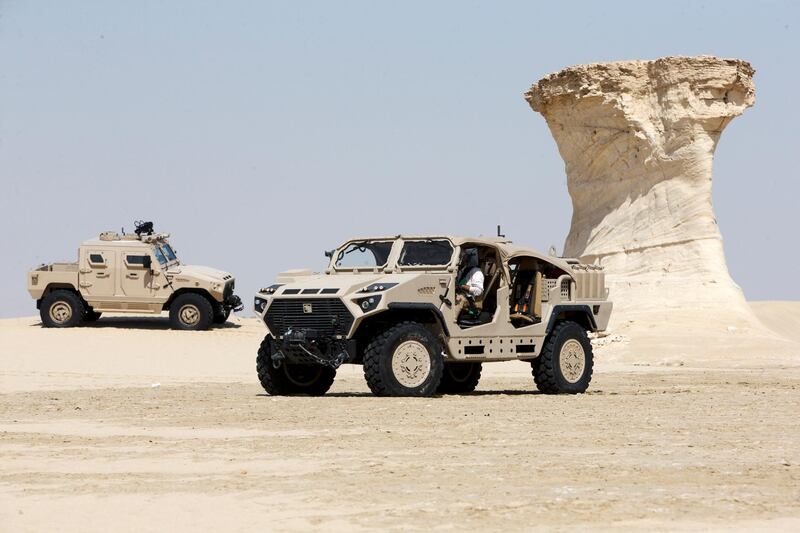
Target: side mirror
{"x": 329, "y": 254}
{"x": 148, "y": 262}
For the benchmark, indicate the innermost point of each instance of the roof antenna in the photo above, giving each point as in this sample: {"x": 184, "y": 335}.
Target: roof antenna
{"x": 498, "y": 232}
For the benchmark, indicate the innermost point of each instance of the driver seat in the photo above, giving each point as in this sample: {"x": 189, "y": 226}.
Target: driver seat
{"x": 475, "y": 316}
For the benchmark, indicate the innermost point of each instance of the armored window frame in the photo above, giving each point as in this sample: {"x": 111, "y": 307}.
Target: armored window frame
{"x": 135, "y": 260}
{"x": 406, "y": 243}
{"x": 96, "y": 262}
{"x": 343, "y": 250}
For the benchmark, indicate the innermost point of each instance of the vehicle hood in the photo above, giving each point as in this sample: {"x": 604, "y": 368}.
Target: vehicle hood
{"x": 343, "y": 283}
{"x": 200, "y": 273}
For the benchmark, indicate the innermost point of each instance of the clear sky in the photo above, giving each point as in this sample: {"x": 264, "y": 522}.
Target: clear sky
{"x": 262, "y": 133}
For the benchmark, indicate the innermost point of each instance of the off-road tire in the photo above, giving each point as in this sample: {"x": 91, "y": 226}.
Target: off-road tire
{"x": 191, "y": 311}
{"x": 547, "y": 370}
{"x": 459, "y": 378}
{"x": 92, "y": 316}
{"x": 62, "y": 309}
{"x": 414, "y": 339}
{"x": 287, "y": 379}
{"x": 221, "y": 314}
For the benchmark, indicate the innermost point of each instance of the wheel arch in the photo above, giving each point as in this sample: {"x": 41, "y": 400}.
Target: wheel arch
{"x": 580, "y": 314}
{"x": 55, "y": 286}
{"x": 189, "y": 290}
{"x": 397, "y": 312}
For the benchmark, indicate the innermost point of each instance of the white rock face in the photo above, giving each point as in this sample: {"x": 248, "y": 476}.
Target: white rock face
{"x": 638, "y": 141}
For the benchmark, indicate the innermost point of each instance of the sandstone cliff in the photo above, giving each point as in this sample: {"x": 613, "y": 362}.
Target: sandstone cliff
{"x": 638, "y": 141}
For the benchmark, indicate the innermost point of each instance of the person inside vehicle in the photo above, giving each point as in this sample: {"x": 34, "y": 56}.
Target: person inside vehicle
{"x": 469, "y": 282}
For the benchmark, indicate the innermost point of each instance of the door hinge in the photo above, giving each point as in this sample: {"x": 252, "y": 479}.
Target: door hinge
{"x": 85, "y": 284}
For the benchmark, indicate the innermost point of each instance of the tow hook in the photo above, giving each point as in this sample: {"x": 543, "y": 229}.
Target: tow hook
{"x": 277, "y": 359}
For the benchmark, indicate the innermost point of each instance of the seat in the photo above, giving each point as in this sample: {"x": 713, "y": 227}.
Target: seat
{"x": 527, "y": 294}
{"x": 475, "y": 315}
{"x": 491, "y": 273}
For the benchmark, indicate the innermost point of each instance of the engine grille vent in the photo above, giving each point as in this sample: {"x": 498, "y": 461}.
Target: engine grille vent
{"x": 328, "y": 316}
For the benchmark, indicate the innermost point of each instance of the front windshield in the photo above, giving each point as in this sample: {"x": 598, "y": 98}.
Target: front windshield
{"x": 169, "y": 252}
{"x": 159, "y": 255}
{"x": 367, "y": 254}
{"x": 426, "y": 253}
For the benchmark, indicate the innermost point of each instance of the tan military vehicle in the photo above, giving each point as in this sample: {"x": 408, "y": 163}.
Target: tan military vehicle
{"x": 132, "y": 273}
{"x": 399, "y": 307}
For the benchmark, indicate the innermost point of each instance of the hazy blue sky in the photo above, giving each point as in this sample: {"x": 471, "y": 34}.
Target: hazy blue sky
{"x": 260, "y": 134}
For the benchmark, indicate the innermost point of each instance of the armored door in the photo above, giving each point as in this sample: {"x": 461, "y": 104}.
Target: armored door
{"x": 136, "y": 281}
{"x": 97, "y": 274}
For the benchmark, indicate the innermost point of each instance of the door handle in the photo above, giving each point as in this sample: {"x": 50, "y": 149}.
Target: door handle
{"x": 132, "y": 276}
{"x": 102, "y": 275}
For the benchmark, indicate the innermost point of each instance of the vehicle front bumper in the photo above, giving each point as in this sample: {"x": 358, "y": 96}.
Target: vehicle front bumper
{"x": 233, "y": 302}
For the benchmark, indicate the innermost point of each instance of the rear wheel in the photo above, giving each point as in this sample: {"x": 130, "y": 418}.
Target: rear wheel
{"x": 287, "y": 379}
{"x": 566, "y": 362}
{"x": 191, "y": 311}
{"x": 460, "y": 377}
{"x": 404, "y": 360}
{"x": 62, "y": 309}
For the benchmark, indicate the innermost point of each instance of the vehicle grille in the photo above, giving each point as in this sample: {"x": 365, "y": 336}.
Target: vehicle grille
{"x": 328, "y": 316}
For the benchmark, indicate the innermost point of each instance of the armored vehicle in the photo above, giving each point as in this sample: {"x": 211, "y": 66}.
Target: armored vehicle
{"x": 399, "y": 307}
{"x": 132, "y": 273}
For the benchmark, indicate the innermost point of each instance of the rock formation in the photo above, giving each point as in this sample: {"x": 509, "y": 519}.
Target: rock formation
{"x": 638, "y": 141}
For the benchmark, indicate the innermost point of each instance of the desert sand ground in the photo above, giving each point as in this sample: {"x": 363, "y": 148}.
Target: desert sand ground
{"x": 127, "y": 425}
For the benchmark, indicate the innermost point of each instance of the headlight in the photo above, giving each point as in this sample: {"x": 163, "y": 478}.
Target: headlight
{"x": 259, "y": 304}
{"x": 378, "y": 287}
{"x": 368, "y": 304}
{"x": 271, "y": 289}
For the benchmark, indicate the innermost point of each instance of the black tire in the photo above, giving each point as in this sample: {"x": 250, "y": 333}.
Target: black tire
{"x": 379, "y": 361}
{"x": 92, "y": 316}
{"x": 62, "y": 309}
{"x": 221, "y": 315}
{"x": 567, "y": 340}
{"x": 287, "y": 380}
{"x": 191, "y": 312}
{"x": 459, "y": 378}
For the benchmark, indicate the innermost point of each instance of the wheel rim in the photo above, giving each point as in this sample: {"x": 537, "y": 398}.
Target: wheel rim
{"x": 60, "y": 312}
{"x": 302, "y": 375}
{"x": 572, "y": 360}
{"x": 189, "y": 315}
{"x": 411, "y": 364}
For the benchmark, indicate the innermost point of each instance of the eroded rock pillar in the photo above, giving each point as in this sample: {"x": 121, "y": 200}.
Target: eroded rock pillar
{"x": 638, "y": 141}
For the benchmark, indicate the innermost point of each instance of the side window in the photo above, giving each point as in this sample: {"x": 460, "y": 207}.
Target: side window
{"x": 96, "y": 259}
{"x": 425, "y": 253}
{"x": 136, "y": 260}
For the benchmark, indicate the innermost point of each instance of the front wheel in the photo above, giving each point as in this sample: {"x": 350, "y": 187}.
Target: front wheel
{"x": 92, "y": 316}
{"x": 566, "y": 362}
{"x": 191, "y": 311}
{"x": 288, "y": 379}
{"x": 404, "y": 360}
{"x": 221, "y": 315}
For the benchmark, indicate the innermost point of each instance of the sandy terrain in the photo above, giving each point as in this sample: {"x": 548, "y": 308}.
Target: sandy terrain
{"x": 88, "y": 442}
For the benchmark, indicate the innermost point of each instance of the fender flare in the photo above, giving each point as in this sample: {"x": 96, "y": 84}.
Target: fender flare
{"x": 571, "y": 308}
{"x": 418, "y": 306}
